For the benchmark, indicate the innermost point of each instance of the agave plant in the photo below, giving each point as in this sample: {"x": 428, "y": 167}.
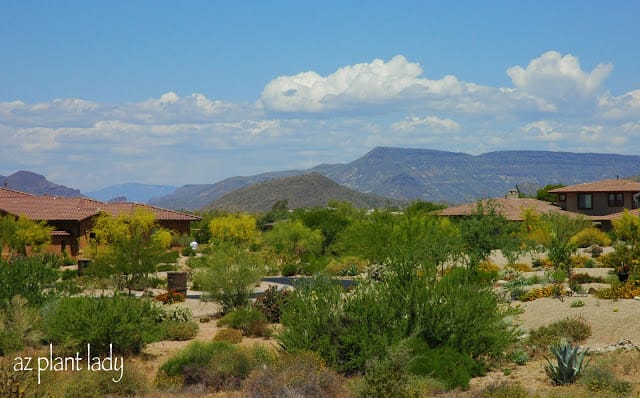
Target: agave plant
{"x": 570, "y": 363}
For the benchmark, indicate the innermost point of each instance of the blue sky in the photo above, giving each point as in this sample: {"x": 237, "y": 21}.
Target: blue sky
{"x": 98, "y": 93}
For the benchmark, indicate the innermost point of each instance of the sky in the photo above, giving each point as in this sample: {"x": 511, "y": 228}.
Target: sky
{"x": 100, "y": 93}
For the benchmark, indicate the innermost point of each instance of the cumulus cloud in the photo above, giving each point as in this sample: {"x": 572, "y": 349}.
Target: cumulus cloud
{"x": 558, "y": 78}
{"x": 369, "y": 83}
{"x": 428, "y": 124}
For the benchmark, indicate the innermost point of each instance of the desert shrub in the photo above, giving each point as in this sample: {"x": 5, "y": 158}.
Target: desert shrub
{"x": 350, "y": 330}
{"x": 164, "y": 267}
{"x": 217, "y": 364}
{"x": 590, "y": 236}
{"x": 626, "y": 290}
{"x": 447, "y": 364}
{"x": 294, "y": 375}
{"x": 458, "y": 304}
{"x": 86, "y": 384}
{"x": 577, "y": 304}
{"x": 598, "y": 378}
{"x": 540, "y": 292}
{"x": 388, "y": 376}
{"x": 346, "y": 266}
{"x": 581, "y": 262}
{"x": 170, "y": 297}
{"x": 30, "y": 277}
{"x": 290, "y": 269}
{"x": 233, "y": 336}
{"x": 12, "y": 381}
{"x": 176, "y": 313}
{"x": 586, "y": 278}
{"x": 270, "y": 302}
{"x": 250, "y": 321}
{"x": 180, "y": 331}
{"x": 19, "y": 326}
{"x": 521, "y": 267}
{"x": 503, "y": 390}
{"x": 572, "y": 329}
{"x": 519, "y": 356}
{"x": 127, "y": 323}
{"x": 229, "y": 276}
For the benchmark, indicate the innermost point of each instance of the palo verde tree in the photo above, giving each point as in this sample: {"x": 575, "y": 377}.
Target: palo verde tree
{"x": 486, "y": 230}
{"x": 130, "y": 245}
{"x": 19, "y": 233}
{"x": 236, "y": 229}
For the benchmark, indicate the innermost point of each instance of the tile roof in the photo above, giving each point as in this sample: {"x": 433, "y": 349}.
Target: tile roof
{"x": 613, "y": 185}
{"x": 510, "y": 208}
{"x": 614, "y": 216}
{"x": 50, "y": 208}
{"x": 10, "y": 193}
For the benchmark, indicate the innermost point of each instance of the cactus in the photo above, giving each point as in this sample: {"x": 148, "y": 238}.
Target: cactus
{"x": 570, "y": 363}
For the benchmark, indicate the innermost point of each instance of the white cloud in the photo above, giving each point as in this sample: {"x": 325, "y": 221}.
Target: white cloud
{"x": 366, "y": 83}
{"x": 543, "y": 131}
{"x": 428, "y": 124}
{"x": 558, "y": 78}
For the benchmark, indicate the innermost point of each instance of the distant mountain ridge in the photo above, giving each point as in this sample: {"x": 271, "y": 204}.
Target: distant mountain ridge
{"x": 30, "y": 182}
{"x": 306, "y": 190}
{"x": 437, "y": 176}
{"x": 132, "y": 192}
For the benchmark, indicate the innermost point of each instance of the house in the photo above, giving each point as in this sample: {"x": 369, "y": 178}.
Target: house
{"x": 73, "y": 218}
{"x": 511, "y": 207}
{"x": 602, "y": 201}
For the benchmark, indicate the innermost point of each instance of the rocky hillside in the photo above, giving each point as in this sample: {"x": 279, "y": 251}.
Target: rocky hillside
{"x": 27, "y": 181}
{"x": 307, "y": 190}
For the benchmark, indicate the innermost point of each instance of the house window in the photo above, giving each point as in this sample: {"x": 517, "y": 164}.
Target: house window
{"x": 562, "y": 197}
{"x": 615, "y": 199}
{"x": 585, "y": 201}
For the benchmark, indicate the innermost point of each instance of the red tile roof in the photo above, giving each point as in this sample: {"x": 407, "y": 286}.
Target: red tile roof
{"x": 50, "y": 208}
{"x": 510, "y": 208}
{"x": 10, "y": 193}
{"x": 613, "y": 185}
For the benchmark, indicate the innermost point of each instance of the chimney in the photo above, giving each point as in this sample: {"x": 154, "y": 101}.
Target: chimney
{"x": 512, "y": 194}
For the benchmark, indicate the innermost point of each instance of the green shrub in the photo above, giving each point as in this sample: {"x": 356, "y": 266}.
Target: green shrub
{"x": 270, "y": 302}
{"x": 165, "y": 267}
{"x": 250, "y": 321}
{"x": 504, "y": 390}
{"x": 577, "y": 304}
{"x": 290, "y": 269}
{"x": 586, "y": 278}
{"x": 346, "y": 266}
{"x": 570, "y": 361}
{"x": 86, "y": 384}
{"x": 127, "y": 323}
{"x": 176, "y": 313}
{"x": 519, "y": 356}
{"x": 590, "y": 236}
{"x": 447, "y": 364}
{"x": 388, "y": 376}
{"x": 30, "y": 277}
{"x": 294, "y": 375}
{"x": 176, "y": 330}
{"x": 229, "y": 277}
{"x": 19, "y": 326}
{"x": 217, "y": 364}
{"x": 573, "y": 329}
{"x": 350, "y": 330}
{"x": 233, "y": 336}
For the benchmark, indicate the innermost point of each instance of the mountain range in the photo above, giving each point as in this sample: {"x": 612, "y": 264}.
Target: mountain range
{"x": 436, "y": 176}
{"x": 396, "y": 173}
